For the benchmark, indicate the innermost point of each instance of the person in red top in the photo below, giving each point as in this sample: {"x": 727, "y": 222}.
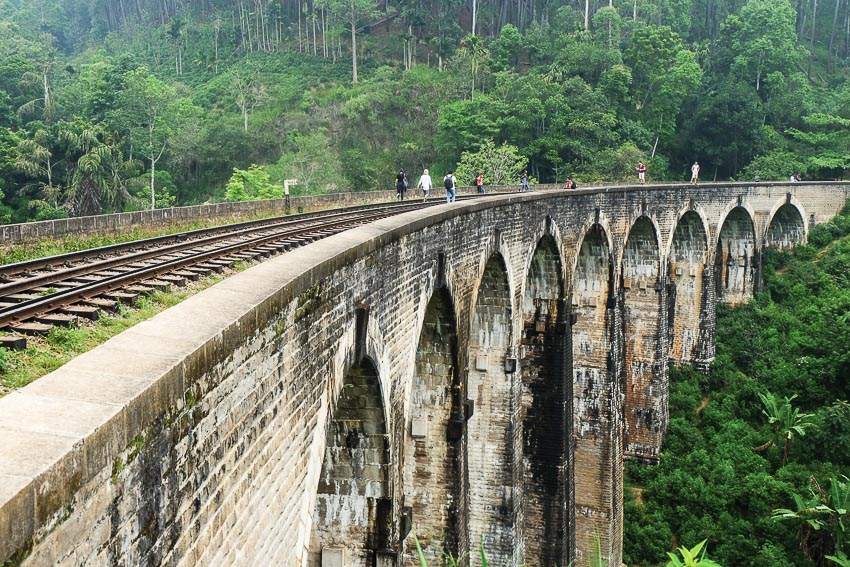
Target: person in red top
{"x": 641, "y": 171}
{"x": 479, "y": 183}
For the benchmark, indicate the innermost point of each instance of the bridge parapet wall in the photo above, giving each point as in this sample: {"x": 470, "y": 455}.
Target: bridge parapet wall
{"x": 198, "y": 437}
{"x": 222, "y": 212}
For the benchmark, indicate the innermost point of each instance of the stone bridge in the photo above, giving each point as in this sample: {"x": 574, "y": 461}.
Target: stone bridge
{"x": 476, "y": 372}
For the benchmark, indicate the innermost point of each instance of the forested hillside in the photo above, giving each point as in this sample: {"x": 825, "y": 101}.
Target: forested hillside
{"x": 758, "y": 448}
{"x": 108, "y": 105}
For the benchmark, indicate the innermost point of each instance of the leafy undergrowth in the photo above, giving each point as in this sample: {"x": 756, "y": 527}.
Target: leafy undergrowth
{"x": 720, "y": 474}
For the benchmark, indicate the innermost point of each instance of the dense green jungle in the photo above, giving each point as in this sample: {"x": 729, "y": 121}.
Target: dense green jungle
{"x": 111, "y": 105}
{"x": 758, "y": 447}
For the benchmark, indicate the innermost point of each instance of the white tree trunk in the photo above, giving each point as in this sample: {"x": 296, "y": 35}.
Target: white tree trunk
{"x": 153, "y": 192}
{"x": 353, "y": 53}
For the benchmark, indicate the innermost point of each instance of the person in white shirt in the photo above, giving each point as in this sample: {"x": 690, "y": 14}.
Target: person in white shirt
{"x": 694, "y": 173}
{"x": 425, "y": 184}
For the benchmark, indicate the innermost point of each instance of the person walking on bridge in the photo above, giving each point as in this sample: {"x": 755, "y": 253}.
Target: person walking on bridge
{"x": 400, "y": 185}
{"x": 425, "y": 184}
{"x": 641, "y": 171}
{"x": 694, "y": 173}
{"x": 450, "y": 183}
{"x": 523, "y": 182}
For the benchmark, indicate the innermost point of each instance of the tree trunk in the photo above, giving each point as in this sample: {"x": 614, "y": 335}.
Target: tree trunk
{"x": 153, "y": 192}
{"x": 586, "y": 15}
{"x": 812, "y": 39}
{"x": 353, "y": 51}
{"x": 832, "y": 36}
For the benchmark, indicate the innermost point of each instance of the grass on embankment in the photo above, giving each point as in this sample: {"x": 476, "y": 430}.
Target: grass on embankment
{"x": 44, "y": 354}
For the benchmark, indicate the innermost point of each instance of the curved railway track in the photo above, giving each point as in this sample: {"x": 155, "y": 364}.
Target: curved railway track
{"x": 39, "y": 294}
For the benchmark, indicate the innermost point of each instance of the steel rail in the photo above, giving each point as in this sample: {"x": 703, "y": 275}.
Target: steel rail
{"x": 10, "y": 270}
{"x": 24, "y": 283}
{"x": 27, "y": 309}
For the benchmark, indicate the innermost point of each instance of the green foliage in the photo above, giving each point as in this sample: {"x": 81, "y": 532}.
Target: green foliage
{"x": 694, "y": 557}
{"x": 202, "y": 88}
{"x": 500, "y": 165}
{"x": 823, "y": 517}
{"x": 252, "y": 184}
{"x": 785, "y": 420}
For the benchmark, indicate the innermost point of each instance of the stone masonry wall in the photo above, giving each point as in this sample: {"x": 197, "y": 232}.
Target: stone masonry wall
{"x": 199, "y": 437}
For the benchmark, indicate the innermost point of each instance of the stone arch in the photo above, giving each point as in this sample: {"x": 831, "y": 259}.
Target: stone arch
{"x": 644, "y": 365}
{"x": 546, "y": 399}
{"x": 353, "y": 507}
{"x": 489, "y": 442}
{"x": 787, "y": 227}
{"x": 735, "y": 257}
{"x": 595, "y": 442}
{"x": 686, "y": 275}
{"x": 431, "y": 476}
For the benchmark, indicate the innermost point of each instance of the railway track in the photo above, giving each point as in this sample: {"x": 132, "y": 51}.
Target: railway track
{"x": 38, "y": 295}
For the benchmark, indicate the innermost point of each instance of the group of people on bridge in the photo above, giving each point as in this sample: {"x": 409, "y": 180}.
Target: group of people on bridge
{"x": 449, "y": 182}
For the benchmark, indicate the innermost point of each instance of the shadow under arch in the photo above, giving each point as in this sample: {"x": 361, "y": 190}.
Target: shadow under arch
{"x": 687, "y": 286}
{"x": 735, "y": 258}
{"x": 787, "y": 228}
{"x": 432, "y": 478}
{"x": 595, "y": 440}
{"x": 644, "y": 363}
{"x": 488, "y": 445}
{"x": 353, "y": 509}
{"x": 545, "y": 410}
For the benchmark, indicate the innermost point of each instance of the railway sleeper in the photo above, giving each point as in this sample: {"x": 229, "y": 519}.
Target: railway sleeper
{"x": 85, "y": 279}
{"x": 157, "y": 284}
{"x": 271, "y": 250}
{"x": 122, "y": 297}
{"x": 31, "y": 328}
{"x": 56, "y": 319}
{"x": 13, "y": 343}
{"x": 189, "y": 275}
{"x": 139, "y": 289}
{"x": 84, "y": 311}
{"x": 101, "y": 303}
{"x": 217, "y": 268}
{"x": 179, "y": 281}
{"x": 199, "y": 272}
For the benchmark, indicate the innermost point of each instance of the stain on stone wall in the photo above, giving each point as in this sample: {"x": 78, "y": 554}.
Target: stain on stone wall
{"x": 685, "y": 273}
{"x": 644, "y": 381}
{"x": 735, "y": 259}
{"x": 431, "y": 479}
{"x": 786, "y": 228}
{"x": 490, "y": 430}
{"x": 353, "y": 484}
{"x": 546, "y": 397}
{"x": 594, "y": 432}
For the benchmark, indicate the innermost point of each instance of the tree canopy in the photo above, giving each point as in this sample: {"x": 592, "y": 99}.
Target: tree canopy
{"x": 178, "y": 95}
